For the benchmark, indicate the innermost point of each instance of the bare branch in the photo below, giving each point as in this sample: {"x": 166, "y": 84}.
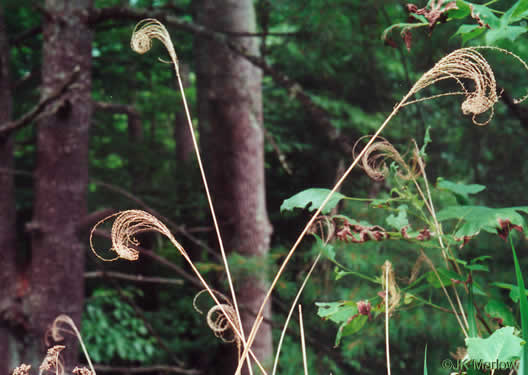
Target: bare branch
{"x": 116, "y": 108}
{"x": 92, "y": 218}
{"x": 34, "y": 113}
{"x": 26, "y": 34}
{"x": 140, "y": 370}
{"x": 135, "y": 278}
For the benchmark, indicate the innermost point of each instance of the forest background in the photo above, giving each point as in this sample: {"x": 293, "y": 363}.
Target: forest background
{"x": 279, "y": 93}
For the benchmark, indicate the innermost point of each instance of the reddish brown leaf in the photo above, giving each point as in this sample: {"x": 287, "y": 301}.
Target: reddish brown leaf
{"x": 364, "y": 308}
{"x": 436, "y": 13}
{"x": 390, "y": 42}
{"x": 407, "y": 38}
{"x": 505, "y": 228}
{"x": 477, "y": 18}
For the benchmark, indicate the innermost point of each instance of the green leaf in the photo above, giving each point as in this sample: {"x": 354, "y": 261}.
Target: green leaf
{"x": 427, "y": 140}
{"x": 337, "y": 312}
{"x": 514, "y": 290}
{"x": 523, "y": 369}
{"x": 326, "y": 249}
{"x": 399, "y": 221}
{"x": 468, "y": 32}
{"x": 486, "y": 15}
{"x": 477, "y": 267}
{"x": 460, "y": 189}
{"x": 445, "y": 275}
{"x": 478, "y": 218}
{"x": 312, "y": 199}
{"x": 499, "y": 310}
{"x": 349, "y": 329}
{"x": 504, "y": 32}
{"x": 518, "y": 11}
{"x": 462, "y": 12}
{"x": 501, "y": 346}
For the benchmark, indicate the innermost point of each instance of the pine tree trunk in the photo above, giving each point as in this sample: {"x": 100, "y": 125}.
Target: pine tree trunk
{"x": 7, "y": 211}
{"x": 61, "y": 176}
{"x": 230, "y": 119}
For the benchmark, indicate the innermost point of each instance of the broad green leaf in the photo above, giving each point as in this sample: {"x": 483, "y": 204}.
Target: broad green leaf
{"x": 499, "y": 310}
{"x": 518, "y": 10}
{"x": 468, "y": 32}
{"x": 326, "y": 249}
{"x": 400, "y": 220}
{"x": 312, "y": 199}
{"x": 486, "y": 15}
{"x": 514, "y": 290}
{"x": 462, "y": 12}
{"x": 501, "y": 346}
{"x": 481, "y": 218}
{"x": 458, "y": 188}
{"x": 352, "y": 327}
{"x": 337, "y": 312}
{"x": 445, "y": 275}
{"x": 504, "y": 32}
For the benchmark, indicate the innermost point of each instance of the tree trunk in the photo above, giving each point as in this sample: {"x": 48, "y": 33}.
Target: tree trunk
{"x": 230, "y": 120}
{"x": 7, "y": 212}
{"x": 61, "y": 177}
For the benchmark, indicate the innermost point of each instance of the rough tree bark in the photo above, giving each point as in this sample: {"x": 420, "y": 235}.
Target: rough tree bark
{"x": 230, "y": 120}
{"x": 61, "y": 176}
{"x": 7, "y": 211}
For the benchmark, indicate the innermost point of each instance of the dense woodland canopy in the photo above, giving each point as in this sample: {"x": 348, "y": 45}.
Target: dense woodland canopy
{"x": 279, "y": 93}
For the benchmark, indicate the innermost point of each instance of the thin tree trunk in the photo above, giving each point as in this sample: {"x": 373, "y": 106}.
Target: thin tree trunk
{"x": 7, "y": 211}
{"x": 230, "y": 119}
{"x": 61, "y": 176}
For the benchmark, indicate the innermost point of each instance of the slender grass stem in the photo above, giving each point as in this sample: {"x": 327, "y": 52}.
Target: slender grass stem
{"x": 387, "y": 344}
{"x": 290, "y": 313}
{"x": 303, "y": 344}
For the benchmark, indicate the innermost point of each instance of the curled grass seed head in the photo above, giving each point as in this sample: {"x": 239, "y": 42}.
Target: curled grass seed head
{"x": 64, "y": 324}
{"x": 374, "y": 160}
{"x": 23, "y": 369}
{"x": 461, "y": 65}
{"x": 82, "y": 371}
{"x": 390, "y": 286}
{"x": 126, "y": 225}
{"x": 217, "y": 320}
{"x": 149, "y": 29}
{"x": 52, "y": 361}
{"x": 58, "y": 327}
